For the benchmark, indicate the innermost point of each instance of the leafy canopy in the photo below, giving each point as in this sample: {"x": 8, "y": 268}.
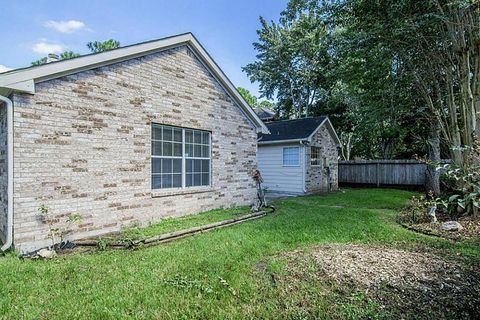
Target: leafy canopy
{"x": 94, "y": 47}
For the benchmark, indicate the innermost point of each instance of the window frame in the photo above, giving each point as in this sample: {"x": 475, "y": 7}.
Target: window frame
{"x": 193, "y": 157}
{"x": 183, "y": 157}
{"x": 316, "y": 161}
{"x": 298, "y": 157}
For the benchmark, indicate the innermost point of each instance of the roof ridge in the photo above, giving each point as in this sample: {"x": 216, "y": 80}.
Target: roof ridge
{"x": 24, "y": 80}
{"x": 96, "y": 53}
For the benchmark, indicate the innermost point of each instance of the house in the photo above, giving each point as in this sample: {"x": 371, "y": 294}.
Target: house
{"x": 299, "y": 156}
{"x": 265, "y": 114}
{"x": 127, "y": 136}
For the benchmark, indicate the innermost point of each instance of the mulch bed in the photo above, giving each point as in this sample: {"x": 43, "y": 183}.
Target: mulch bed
{"x": 470, "y": 231}
{"x": 407, "y": 285}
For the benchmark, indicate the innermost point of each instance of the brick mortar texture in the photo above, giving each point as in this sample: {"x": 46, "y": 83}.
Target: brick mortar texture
{"x": 82, "y": 145}
{"x": 316, "y": 177}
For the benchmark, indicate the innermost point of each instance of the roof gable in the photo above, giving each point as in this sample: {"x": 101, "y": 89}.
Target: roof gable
{"x": 296, "y": 130}
{"x": 265, "y": 114}
{"x": 24, "y": 80}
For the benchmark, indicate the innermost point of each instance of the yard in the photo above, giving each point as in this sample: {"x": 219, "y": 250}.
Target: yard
{"x": 280, "y": 266}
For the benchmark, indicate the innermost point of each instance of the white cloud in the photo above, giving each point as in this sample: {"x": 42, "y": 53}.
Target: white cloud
{"x": 44, "y": 47}
{"x": 68, "y": 26}
{"x": 4, "y": 68}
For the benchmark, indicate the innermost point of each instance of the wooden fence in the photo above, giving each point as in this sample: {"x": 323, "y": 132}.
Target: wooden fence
{"x": 383, "y": 172}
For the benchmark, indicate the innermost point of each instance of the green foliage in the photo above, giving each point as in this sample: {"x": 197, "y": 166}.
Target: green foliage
{"x": 93, "y": 46}
{"x": 250, "y": 98}
{"x": 267, "y": 105}
{"x": 418, "y": 208}
{"x": 100, "y": 46}
{"x": 291, "y": 60}
{"x": 63, "y": 56}
{"x": 374, "y": 68}
{"x": 102, "y": 244}
{"x": 68, "y": 55}
{"x": 56, "y": 229}
{"x": 463, "y": 194}
{"x": 253, "y": 101}
{"x": 39, "y": 61}
{"x": 126, "y": 284}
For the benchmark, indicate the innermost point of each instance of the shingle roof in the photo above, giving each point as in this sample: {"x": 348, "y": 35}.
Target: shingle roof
{"x": 264, "y": 114}
{"x": 295, "y": 129}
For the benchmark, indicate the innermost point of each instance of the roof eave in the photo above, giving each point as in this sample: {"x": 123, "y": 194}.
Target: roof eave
{"x": 65, "y": 67}
{"x": 24, "y": 80}
{"x": 330, "y": 128}
{"x": 281, "y": 141}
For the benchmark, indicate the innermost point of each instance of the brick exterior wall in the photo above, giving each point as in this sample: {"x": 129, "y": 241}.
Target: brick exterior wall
{"x": 316, "y": 179}
{"x": 82, "y": 145}
{"x": 3, "y": 173}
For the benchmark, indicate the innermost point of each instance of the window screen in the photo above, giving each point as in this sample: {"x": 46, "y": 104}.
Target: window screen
{"x": 291, "y": 156}
{"x": 315, "y": 159}
{"x": 180, "y": 157}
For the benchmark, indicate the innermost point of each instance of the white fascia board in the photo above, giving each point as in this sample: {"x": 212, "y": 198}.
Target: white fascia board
{"x": 335, "y": 135}
{"x": 331, "y": 129}
{"x": 280, "y": 141}
{"x": 23, "y": 80}
{"x": 60, "y": 68}
{"x": 23, "y": 86}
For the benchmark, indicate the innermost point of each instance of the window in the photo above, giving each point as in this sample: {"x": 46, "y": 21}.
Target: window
{"x": 197, "y": 155}
{"x": 291, "y": 156}
{"x": 180, "y": 157}
{"x": 315, "y": 159}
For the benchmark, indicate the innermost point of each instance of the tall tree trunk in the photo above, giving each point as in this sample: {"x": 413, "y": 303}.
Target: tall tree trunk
{"x": 432, "y": 182}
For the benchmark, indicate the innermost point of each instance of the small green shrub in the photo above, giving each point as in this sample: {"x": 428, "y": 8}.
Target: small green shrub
{"x": 56, "y": 232}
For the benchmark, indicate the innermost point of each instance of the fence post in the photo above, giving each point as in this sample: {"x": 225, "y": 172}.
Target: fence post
{"x": 378, "y": 175}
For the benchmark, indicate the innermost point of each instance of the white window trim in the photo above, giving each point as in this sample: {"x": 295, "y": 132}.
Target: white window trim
{"x": 184, "y": 161}
{"x": 319, "y": 159}
{"x": 283, "y": 157}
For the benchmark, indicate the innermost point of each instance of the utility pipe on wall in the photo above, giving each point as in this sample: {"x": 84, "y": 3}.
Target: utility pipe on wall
{"x": 9, "y": 238}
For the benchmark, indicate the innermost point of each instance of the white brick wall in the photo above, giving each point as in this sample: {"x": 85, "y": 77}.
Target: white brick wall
{"x": 82, "y": 145}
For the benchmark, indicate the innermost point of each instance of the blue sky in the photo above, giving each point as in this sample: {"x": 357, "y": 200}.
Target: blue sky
{"x": 31, "y": 29}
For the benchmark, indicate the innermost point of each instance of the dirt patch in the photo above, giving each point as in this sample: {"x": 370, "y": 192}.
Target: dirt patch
{"x": 408, "y": 285}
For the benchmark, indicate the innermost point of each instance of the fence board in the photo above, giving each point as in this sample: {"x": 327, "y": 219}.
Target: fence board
{"x": 383, "y": 172}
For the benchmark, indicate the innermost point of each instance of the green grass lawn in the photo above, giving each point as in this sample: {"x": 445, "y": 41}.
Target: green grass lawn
{"x": 209, "y": 276}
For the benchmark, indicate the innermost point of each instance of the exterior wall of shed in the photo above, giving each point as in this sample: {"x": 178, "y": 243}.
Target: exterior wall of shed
{"x": 82, "y": 145}
{"x": 3, "y": 173}
{"x": 316, "y": 177}
{"x": 276, "y": 177}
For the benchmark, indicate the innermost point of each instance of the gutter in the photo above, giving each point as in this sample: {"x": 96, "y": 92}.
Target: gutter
{"x": 281, "y": 141}
{"x": 9, "y": 106}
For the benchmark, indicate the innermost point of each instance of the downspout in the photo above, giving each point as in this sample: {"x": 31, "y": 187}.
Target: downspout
{"x": 304, "y": 164}
{"x": 9, "y": 106}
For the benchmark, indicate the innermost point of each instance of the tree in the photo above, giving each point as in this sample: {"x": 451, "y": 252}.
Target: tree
{"x": 100, "y": 46}
{"x": 291, "y": 62}
{"x": 39, "y": 61}
{"x": 253, "y": 100}
{"x": 267, "y": 105}
{"x": 63, "y": 56}
{"x": 250, "y": 98}
{"x": 95, "y": 46}
{"x": 68, "y": 55}
{"x": 316, "y": 64}
{"x": 435, "y": 43}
